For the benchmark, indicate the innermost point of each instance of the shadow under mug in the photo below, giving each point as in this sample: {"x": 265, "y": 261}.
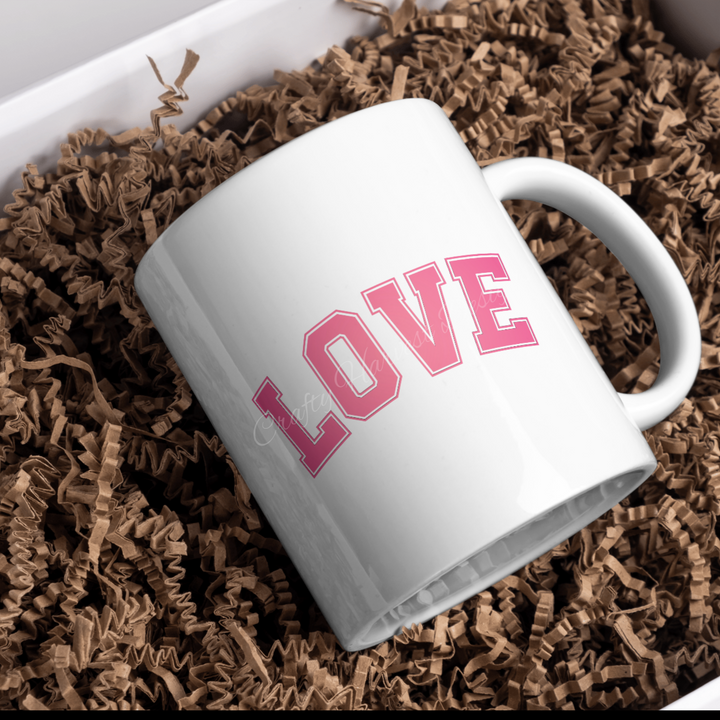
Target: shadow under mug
{"x": 406, "y": 396}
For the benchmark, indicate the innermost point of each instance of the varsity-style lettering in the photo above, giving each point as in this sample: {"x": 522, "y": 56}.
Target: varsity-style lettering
{"x": 357, "y": 372}
{"x": 314, "y": 452}
{"x": 431, "y": 339}
{"x": 490, "y": 336}
{"x": 350, "y": 363}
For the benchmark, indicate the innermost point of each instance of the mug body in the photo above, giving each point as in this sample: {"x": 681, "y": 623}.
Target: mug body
{"x": 400, "y": 386}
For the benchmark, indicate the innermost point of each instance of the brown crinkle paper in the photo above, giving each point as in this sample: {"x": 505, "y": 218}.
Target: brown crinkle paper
{"x": 136, "y": 570}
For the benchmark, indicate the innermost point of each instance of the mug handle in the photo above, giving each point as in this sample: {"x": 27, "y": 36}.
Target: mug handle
{"x": 626, "y": 235}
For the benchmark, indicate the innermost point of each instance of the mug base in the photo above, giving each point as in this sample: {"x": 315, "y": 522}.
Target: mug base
{"x": 501, "y": 558}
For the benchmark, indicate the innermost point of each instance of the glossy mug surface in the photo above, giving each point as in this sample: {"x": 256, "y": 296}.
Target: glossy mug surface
{"x": 397, "y": 381}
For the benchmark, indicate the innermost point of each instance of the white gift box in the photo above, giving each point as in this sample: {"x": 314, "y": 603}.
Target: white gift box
{"x": 706, "y": 697}
{"x": 693, "y": 26}
{"x": 240, "y": 42}
{"x": 98, "y": 75}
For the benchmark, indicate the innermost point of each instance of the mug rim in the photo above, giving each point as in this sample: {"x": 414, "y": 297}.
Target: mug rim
{"x": 423, "y": 102}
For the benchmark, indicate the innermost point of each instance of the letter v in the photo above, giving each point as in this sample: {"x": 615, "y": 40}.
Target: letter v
{"x": 431, "y": 340}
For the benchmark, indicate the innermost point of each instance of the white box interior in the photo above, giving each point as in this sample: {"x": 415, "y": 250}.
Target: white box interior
{"x": 240, "y": 42}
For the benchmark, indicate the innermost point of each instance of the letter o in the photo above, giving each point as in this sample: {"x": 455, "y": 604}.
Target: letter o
{"x": 359, "y": 404}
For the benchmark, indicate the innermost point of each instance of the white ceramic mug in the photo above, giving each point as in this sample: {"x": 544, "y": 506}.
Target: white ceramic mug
{"x": 397, "y": 381}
